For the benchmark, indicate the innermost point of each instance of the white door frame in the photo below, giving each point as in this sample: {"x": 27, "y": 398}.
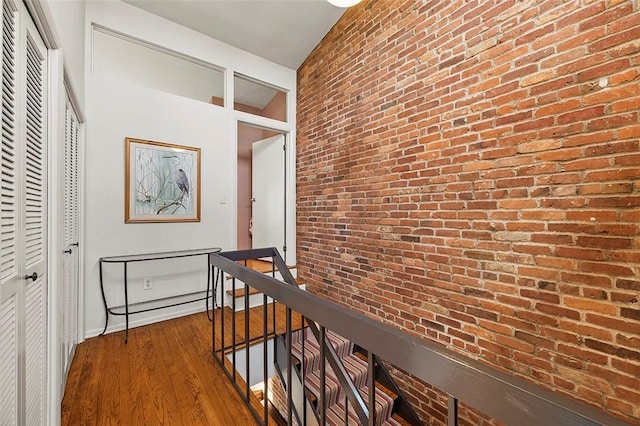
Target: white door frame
{"x": 271, "y": 194}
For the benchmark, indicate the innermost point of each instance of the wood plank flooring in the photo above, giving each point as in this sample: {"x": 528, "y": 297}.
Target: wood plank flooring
{"x": 165, "y": 375}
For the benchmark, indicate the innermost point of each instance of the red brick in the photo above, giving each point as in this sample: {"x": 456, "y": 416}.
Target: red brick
{"x": 587, "y": 60}
{"x": 483, "y": 159}
{"x": 575, "y": 331}
{"x": 612, "y": 147}
{"x": 608, "y": 68}
{"x": 614, "y": 39}
{"x": 557, "y": 310}
{"x": 609, "y": 95}
{"x": 626, "y": 366}
{"x": 582, "y": 354}
{"x": 604, "y": 242}
{"x": 613, "y": 323}
{"x": 606, "y": 17}
{"x": 514, "y": 343}
{"x": 613, "y": 121}
{"x": 581, "y": 115}
{"x": 566, "y": 384}
{"x": 630, "y": 201}
{"x": 537, "y": 78}
{"x": 613, "y": 349}
{"x": 590, "y": 305}
{"x": 587, "y": 279}
{"x": 545, "y": 296}
{"x": 536, "y": 34}
{"x": 624, "y": 76}
{"x": 624, "y": 105}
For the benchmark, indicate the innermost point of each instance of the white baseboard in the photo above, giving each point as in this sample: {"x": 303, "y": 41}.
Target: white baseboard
{"x": 140, "y": 320}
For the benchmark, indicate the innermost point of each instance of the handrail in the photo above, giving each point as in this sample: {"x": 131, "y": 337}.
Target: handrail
{"x": 498, "y": 394}
{"x": 327, "y": 351}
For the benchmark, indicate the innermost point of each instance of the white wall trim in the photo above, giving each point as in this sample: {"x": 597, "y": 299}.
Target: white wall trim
{"x": 55, "y": 225}
{"x": 139, "y": 321}
{"x": 81, "y": 231}
{"x": 73, "y": 97}
{"x": 42, "y": 17}
{"x": 161, "y": 49}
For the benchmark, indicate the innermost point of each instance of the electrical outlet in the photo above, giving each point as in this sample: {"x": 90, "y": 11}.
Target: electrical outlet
{"x": 147, "y": 283}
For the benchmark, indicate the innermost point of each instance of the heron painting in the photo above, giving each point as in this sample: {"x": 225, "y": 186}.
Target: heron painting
{"x": 162, "y": 182}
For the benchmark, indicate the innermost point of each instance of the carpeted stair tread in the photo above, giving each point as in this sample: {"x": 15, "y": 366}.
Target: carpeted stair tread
{"x": 342, "y": 346}
{"x": 356, "y": 370}
{"x": 335, "y": 414}
{"x": 384, "y": 404}
{"x": 362, "y": 357}
{"x": 356, "y": 365}
{"x": 311, "y": 354}
{"x": 335, "y": 397}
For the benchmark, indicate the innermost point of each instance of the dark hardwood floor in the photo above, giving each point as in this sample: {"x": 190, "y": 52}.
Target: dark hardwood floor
{"x": 165, "y": 375}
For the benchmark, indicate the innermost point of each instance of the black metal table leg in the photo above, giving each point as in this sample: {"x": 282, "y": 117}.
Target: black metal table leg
{"x": 206, "y": 296}
{"x": 126, "y": 305}
{"x": 104, "y": 301}
{"x": 217, "y": 279}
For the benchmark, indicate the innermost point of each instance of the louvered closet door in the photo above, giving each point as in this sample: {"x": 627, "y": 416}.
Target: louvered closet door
{"x": 11, "y": 298}
{"x": 35, "y": 225}
{"x": 23, "y": 289}
{"x": 71, "y": 237}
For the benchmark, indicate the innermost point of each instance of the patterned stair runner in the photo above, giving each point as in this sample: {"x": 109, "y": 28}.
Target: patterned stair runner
{"x": 336, "y": 413}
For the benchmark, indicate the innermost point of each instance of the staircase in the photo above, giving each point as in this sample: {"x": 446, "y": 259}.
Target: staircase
{"x": 338, "y": 410}
{"x": 354, "y": 364}
{"x": 310, "y": 372}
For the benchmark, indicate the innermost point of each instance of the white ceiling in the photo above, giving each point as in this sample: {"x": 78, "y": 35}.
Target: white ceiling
{"x": 283, "y": 31}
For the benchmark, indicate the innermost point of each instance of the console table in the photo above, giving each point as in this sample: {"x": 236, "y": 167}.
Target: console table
{"x": 125, "y": 260}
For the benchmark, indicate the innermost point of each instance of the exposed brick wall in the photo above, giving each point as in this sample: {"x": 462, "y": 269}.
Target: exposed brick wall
{"x": 470, "y": 171}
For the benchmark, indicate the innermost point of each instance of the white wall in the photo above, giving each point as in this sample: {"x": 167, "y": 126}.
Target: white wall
{"x": 67, "y": 18}
{"x": 116, "y": 110}
{"x": 116, "y": 57}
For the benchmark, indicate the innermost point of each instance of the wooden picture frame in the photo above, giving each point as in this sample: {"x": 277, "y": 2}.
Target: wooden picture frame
{"x": 162, "y": 182}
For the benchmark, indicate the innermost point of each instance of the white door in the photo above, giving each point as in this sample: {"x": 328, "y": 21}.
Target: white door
{"x": 23, "y": 284}
{"x": 71, "y": 262}
{"x": 268, "y": 193}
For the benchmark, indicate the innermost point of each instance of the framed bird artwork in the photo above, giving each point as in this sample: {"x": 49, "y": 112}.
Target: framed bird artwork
{"x": 162, "y": 182}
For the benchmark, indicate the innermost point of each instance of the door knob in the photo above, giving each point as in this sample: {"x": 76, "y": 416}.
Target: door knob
{"x": 68, "y": 251}
{"x": 33, "y": 276}
{"x": 253, "y": 200}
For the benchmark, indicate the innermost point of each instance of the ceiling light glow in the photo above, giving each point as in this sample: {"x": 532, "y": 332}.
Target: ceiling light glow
{"x": 344, "y": 3}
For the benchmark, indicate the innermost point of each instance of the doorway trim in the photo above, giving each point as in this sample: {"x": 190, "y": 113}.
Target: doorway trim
{"x": 289, "y": 196}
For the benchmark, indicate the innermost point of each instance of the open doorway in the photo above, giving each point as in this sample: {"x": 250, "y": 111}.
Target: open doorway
{"x": 261, "y": 188}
